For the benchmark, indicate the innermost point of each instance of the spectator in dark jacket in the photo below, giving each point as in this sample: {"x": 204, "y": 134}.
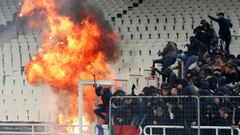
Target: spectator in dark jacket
{"x": 212, "y": 36}
{"x": 224, "y": 119}
{"x": 187, "y": 89}
{"x": 190, "y": 56}
{"x": 210, "y": 84}
{"x": 189, "y": 107}
{"x": 169, "y": 56}
{"x": 106, "y": 95}
{"x": 208, "y": 117}
{"x": 224, "y": 31}
{"x": 162, "y": 116}
{"x": 223, "y": 87}
{"x": 202, "y": 39}
{"x": 230, "y": 73}
{"x": 171, "y": 76}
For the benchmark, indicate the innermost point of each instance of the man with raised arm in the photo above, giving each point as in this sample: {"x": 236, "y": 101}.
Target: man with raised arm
{"x": 224, "y": 29}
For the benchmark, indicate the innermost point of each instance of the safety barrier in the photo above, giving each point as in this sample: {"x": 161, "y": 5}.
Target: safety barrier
{"x": 163, "y": 127}
{"x": 38, "y": 129}
{"x": 178, "y": 115}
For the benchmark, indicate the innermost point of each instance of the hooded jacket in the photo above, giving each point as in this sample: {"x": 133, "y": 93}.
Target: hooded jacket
{"x": 224, "y": 88}
{"x": 170, "y": 50}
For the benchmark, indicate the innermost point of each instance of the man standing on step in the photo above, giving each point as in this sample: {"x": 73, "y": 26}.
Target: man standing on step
{"x": 224, "y": 30}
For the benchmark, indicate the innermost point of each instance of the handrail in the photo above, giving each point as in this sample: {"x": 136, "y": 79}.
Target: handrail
{"x": 164, "y": 127}
{"x": 235, "y": 35}
{"x": 34, "y": 125}
{"x": 141, "y": 130}
{"x": 136, "y": 97}
{"x": 40, "y": 124}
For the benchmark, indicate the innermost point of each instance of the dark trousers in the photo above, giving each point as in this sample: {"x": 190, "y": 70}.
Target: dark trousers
{"x": 165, "y": 61}
{"x": 99, "y": 112}
{"x": 227, "y": 45}
{"x": 227, "y": 41}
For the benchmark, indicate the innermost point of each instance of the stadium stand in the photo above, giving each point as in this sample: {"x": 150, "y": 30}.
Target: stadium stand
{"x": 150, "y": 24}
{"x": 15, "y": 90}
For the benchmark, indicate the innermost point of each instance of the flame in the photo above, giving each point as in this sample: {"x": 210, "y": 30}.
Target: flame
{"x": 74, "y": 124}
{"x": 71, "y": 51}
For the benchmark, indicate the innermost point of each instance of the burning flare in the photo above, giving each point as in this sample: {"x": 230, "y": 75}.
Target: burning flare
{"x": 72, "y": 49}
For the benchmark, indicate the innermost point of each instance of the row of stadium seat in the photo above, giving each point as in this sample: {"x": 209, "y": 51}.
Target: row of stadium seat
{"x": 134, "y": 57}
{"x": 19, "y": 100}
{"x": 113, "y": 7}
{"x": 25, "y": 104}
{"x": 7, "y": 10}
{"x": 166, "y": 19}
{"x": 16, "y": 54}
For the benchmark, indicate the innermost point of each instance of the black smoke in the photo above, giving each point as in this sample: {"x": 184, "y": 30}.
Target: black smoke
{"x": 77, "y": 11}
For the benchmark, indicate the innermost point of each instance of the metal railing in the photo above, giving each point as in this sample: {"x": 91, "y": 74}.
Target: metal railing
{"x": 164, "y": 127}
{"x": 148, "y": 113}
{"x": 200, "y": 115}
{"x": 148, "y": 110}
{"x": 39, "y": 129}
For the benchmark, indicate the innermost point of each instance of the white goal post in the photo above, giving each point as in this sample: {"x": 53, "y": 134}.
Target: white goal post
{"x": 83, "y": 83}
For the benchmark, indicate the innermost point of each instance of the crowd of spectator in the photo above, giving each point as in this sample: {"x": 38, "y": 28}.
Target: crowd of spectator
{"x": 216, "y": 74}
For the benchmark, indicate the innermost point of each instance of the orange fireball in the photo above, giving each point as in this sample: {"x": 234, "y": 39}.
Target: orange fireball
{"x": 72, "y": 49}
